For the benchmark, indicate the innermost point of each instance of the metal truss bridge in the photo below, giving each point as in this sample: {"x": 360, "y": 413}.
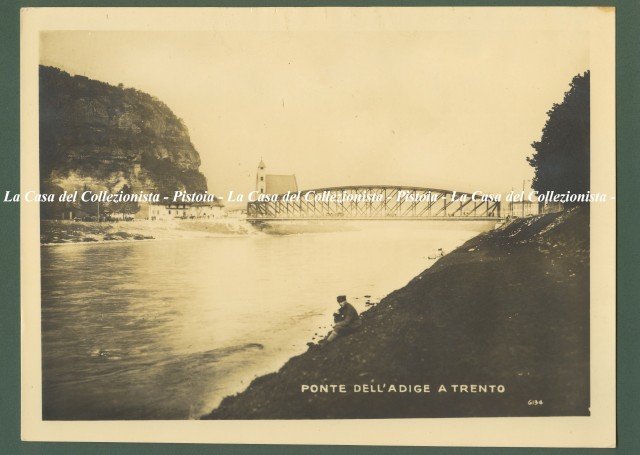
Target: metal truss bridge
{"x": 373, "y": 203}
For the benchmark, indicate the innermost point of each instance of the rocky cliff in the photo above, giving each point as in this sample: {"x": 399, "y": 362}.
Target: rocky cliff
{"x": 102, "y": 136}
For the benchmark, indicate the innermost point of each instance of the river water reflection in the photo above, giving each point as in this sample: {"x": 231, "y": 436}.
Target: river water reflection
{"x": 166, "y": 329}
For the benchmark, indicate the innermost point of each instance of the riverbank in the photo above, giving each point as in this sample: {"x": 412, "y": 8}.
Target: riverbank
{"x": 509, "y": 307}
{"x": 54, "y": 232}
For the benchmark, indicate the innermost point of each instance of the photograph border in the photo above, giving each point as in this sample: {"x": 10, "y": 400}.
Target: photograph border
{"x": 597, "y": 430}
{"x": 627, "y": 285}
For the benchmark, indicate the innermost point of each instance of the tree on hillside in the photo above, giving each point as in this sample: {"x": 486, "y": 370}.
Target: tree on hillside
{"x": 88, "y": 208}
{"x": 125, "y": 208}
{"x": 562, "y": 156}
{"x": 54, "y": 210}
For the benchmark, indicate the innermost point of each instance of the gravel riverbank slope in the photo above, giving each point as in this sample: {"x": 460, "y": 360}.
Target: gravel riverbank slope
{"x": 509, "y": 307}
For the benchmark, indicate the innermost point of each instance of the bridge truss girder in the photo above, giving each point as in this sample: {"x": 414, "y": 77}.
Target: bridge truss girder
{"x": 378, "y": 202}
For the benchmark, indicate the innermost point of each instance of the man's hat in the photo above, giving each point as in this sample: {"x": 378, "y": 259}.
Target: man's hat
{"x": 342, "y": 298}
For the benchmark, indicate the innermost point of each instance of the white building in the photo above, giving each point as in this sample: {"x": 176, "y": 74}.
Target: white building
{"x": 274, "y": 184}
{"x": 181, "y": 211}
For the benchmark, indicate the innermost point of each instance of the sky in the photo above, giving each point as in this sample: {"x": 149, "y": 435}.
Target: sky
{"x": 452, "y": 109}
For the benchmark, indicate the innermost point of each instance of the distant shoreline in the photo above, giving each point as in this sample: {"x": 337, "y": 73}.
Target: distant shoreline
{"x": 64, "y": 232}
{"x": 67, "y": 232}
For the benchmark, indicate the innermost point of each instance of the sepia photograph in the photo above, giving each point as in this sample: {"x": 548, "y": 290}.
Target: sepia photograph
{"x": 354, "y": 215}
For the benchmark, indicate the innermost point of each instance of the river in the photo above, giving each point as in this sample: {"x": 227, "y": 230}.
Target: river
{"x": 166, "y": 329}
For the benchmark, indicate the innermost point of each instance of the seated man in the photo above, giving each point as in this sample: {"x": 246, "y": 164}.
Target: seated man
{"x": 347, "y": 319}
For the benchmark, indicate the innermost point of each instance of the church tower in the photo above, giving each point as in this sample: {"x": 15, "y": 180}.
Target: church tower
{"x": 261, "y": 178}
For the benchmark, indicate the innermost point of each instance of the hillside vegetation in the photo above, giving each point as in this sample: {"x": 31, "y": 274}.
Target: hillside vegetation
{"x": 100, "y": 136}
